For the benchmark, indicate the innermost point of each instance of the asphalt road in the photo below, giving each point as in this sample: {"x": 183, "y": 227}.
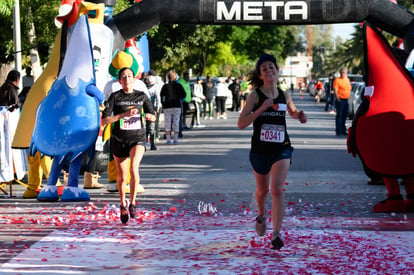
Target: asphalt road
{"x": 207, "y": 175}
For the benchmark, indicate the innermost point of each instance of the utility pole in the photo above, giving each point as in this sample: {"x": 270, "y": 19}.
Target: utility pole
{"x": 309, "y": 39}
{"x": 16, "y": 37}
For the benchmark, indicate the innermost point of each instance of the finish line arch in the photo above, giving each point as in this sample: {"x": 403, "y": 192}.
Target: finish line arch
{"x": 147, "y": 14}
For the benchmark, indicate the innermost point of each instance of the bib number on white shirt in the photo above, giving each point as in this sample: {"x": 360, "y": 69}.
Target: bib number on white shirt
{"x": 272, "y": 133}
{"x": 130, "y": 123}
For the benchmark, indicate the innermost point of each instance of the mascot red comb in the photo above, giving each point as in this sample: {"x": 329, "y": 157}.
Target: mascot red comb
{"x": 382, "y": 132}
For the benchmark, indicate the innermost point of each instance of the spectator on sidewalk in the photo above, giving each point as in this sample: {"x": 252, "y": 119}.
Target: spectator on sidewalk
{"x": 235, "y": 89}
{"x": 172, "y": 95}
{"x": 283, "y": 85}
{"x": 9, "y": 95}
{"x": 221, "y": 96}
{"x": 245, "y": 90}
{"x": 184, "y": 81}
{"x": 318, "y": 91}
{"x": 28, "y": 81}
{"x": 330, "y": 97}
{"x": 342, "y": 91}
{"x": 301, "y": 89}
{"x": 208, "y": 90}
{"x": 158, "y": 84}
{"x": 198, "y": 97}
{"x": 154, "y": 96}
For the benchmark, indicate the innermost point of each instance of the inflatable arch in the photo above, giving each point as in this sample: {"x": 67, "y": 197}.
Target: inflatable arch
{"x": 146, "y": 14}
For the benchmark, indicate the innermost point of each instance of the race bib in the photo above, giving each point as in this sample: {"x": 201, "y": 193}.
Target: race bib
{"x": 130, "y": 123}
{"x": 272, "y": 133}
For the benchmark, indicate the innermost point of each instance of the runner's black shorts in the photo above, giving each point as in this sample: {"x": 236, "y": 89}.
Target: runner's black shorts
{"x": 262, "y": 164}
{"x": 121, "y": 149}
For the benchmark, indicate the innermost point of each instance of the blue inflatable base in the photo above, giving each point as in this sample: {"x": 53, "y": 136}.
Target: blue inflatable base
{"x": 74, "y": 194}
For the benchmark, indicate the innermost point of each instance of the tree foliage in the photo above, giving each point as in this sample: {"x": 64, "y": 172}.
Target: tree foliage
{"x": 217, "y": 50}
{"x": 6, "y": 7}
{"x": 39, "y": 13}
{"x": 322, "y": 46}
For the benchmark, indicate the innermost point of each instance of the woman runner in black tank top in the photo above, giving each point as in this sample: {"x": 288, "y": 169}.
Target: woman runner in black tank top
{"x": 271, "y": 151}
{"x": 269, "y": 129}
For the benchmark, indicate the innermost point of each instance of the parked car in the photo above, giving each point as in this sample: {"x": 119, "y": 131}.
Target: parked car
{"x": 311, "y": 88}
{"x": 355, "y": 98}
{"x": 355, "y": 78}
{"x": 325, "y": 82}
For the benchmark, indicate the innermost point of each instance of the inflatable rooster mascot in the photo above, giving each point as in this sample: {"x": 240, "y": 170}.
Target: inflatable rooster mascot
{"x": 67, "y": 119}
{"x": 382, "y": 132}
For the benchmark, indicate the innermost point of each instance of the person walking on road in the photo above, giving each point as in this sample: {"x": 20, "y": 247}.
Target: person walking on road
{"x": 172, "y": 95}
{"x": 154, "y": 95}
{"x": 244, "y": 91}
{"x": 198, "y": 97}
{"x": 271, "y": 150}
{"x": 318, "y": 91}
{"x": 330, "y": 98}
{"x": 283, "y": 85}
{"x": 221, "y": 96}
{"x": 185, "y": 82}
{"x": 235, "y": 89}
{"x": 301, "y": 89}
{"x": 125, "y": 109}
{"x": 9, "y": 95}
{"x": 208, "y": 90}
{"x": 342, "y": 90}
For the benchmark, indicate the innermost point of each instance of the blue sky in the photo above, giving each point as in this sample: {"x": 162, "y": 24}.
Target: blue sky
{"x": 343, "y": 30}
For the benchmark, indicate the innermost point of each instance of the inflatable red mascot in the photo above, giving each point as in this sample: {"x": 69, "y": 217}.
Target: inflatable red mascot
{"x": 382, "y": 132}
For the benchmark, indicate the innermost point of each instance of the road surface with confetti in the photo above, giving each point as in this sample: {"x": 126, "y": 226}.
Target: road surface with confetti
{"x": 197, "y": 213}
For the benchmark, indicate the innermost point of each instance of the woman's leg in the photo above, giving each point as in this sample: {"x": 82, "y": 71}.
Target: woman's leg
{"x": 241, "y": 102}
{"x": 136, "y": 153}
{"x": 218, "y": 107}
{"x": 262, "y": 189}
{"x": 210, "y": 107}
{"x": 194, "y": 115}
{"x": 167, "y": 123}
{"x": 279, "y": 173}
{"x": 122, "y": 174}
{"x": 223, "y": 107}
{"x": 176, "y": 122}
{"x": 197, "y": 112}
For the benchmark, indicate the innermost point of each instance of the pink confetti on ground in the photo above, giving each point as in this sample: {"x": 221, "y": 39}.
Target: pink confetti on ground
{"x": 90, "y": 238}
